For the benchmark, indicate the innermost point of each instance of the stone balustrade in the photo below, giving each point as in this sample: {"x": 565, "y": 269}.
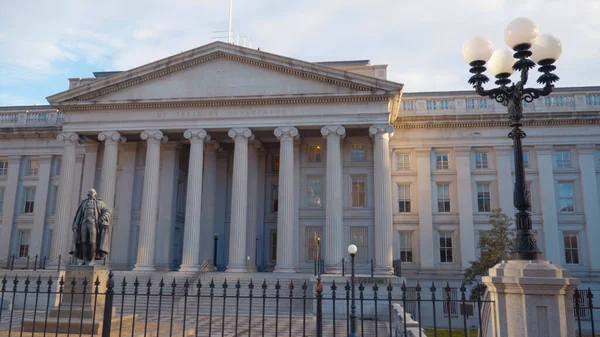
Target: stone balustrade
{"x": 458, "y": 103}
{"x": 47, "y": 117}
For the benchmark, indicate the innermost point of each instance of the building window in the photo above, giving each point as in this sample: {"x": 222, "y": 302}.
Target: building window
{"x": 443, "y": 196}
{"x": 565, "y": 192}
{"x": 314, "y": 192}
{"x": 314, "y": 153}
{"x": 28, "y": 199}
{"x": 450, "y": 308}
{"x": 446, "y": 248}
{"x": 358, "y": 192}
{"x": 275, "y": 166}
{"x": 483, "y": 198}
{"x": 3, "y": 167}
{"x": 403, "y": 162}
{"x": 56, "y": 163}
{"x": 33, "y": 168}
{"x": 274, "y": 198}
{"x": 404, "y": 198}
{"x": 481, "y": 160}
{"x": 24, "y": 238}
{"x": 525, "y": 159}
{"x": 441, "y": 161}
{"x": 359, "y": 238}
{"x": 1, "y": 199}
{"x": 563, "y": 159}
{"x": 313, "y": 235}
{"x": 273, "y": 247}
{"x": 358, "y": 153}
{"x": 406, "y": 248}
{"x": 181, "y": 197}
{"x": 571, "y": 248}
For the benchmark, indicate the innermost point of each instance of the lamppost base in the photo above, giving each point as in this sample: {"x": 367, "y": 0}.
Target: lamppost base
{"x": 527, "y": 256}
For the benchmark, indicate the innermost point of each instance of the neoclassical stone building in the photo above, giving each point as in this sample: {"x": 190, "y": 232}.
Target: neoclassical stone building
{"x": 262, "y": 154}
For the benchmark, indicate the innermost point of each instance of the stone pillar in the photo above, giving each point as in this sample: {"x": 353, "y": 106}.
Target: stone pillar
{"x": 383, "y": 197}
{"x": 334, "y": 212}
{"x": 285, "y": 214}
{"x": 548, "y": 200}
{"x": 426, "y": 244}
{"x": 147, "y": 234}
{"x": 10, "y": 198}
{"x": 239, "y": 201}
{"x": 465, "y": 206}
{"x": 63, "y": 219}
{"x": 89, "y": 169}
{"x": 505, "y": 181}
{"x": 41, "y": 197}
{"x": 531, "y": 298}
{"x": 253, "y": 149}
{"x": 193, "y": 204}
{"x": 165, "y": 253}
{"x": 299, "y": 250}
{"x": 589, "y": 182}
{"x": 207, "y": 227}
{"x": 108, "y": 179}
{"x": 119, "y": 257}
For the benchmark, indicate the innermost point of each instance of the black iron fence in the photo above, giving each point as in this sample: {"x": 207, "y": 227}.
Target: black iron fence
{"x": 583, "y": 305}
{"x": 36, "y": 262}
{"x": 318, "y": 307}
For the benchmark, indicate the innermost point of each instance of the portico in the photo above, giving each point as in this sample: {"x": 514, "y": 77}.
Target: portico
{"x": 259, "y": 110}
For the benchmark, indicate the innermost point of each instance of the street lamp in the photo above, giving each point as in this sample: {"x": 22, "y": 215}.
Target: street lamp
{"x": 352, "y": 250}
{"x": 529, "y": 47}
{"x": 216, "y": 238}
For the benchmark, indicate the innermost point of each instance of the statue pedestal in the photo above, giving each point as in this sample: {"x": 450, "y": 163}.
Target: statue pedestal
{"x": 80, "y": 308}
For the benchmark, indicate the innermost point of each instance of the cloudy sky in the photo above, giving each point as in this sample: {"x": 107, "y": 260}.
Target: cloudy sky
{"x": 42, "y": 43}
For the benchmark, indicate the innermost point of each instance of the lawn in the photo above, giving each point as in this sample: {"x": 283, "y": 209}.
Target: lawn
{"x": 445, "y": 333}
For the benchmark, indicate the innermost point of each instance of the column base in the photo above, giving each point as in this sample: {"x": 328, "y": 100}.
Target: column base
{"x": 282, "y": 269}
{"x": 191, "y": 268}
{"x": 235, "y": 269}
{"x": 144, "y": 267}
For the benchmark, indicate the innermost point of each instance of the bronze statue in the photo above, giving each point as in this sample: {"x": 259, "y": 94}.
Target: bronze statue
{"x": 91, "y": 230}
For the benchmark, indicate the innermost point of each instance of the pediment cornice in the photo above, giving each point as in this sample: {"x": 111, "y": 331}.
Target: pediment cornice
{"x": 220, "y": 50}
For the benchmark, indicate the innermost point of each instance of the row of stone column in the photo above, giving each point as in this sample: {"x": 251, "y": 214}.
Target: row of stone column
{"x": 200, "y": 210}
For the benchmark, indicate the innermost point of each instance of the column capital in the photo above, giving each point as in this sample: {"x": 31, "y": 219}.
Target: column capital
{"x": 333, "y": 131}
{"x": 212, "y": 146}
{"x": 503, "y": 150}
{"x": 462, "y": 151}
{"x": 544, "y": 149}
{"x": 241, "y": 133}
{"x": 111, "y": 137}
{"x": 380, "y": 130}
{"x": 423, "y": 151}
{"x": 154, "y": 136}
{"x": 196, "y": 135}
{"x": 286, "y": 132}
{"x": 586, "y": 149}
{"x": 69, "y": 137}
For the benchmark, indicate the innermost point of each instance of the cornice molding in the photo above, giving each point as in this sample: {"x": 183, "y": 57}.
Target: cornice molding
{"x": 471, "y": 124}
{"x": 51, "y": 135}
{"x": 226, "y": 102}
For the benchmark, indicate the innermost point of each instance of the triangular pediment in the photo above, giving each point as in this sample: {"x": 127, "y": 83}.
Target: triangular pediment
{"x": 221, "y": 70}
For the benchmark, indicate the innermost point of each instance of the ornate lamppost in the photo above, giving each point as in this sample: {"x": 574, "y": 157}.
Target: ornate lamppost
{"x": 352, "y": 250}
{"x": 529, "y": 48}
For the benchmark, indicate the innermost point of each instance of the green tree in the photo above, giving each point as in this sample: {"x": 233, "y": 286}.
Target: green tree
{"x": 495, "y": 245}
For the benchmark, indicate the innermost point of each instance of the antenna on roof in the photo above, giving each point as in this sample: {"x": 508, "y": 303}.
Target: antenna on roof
{"x": 231, "y": 36}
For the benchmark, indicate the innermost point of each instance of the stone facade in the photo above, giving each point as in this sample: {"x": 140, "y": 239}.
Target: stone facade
{"x": 267, "y": 153}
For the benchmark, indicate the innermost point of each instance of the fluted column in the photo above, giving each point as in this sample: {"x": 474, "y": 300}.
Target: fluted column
{"x": 193, "y": 204}
{"x": 61, "y": 235}
{"x": 285, "y": 213}
{"x": 253, "y": 149}
{"x": 334, "y": 217}
{"x": 108, "y": 179}
{"x": 548, "y": 200}
{"x": 383, "y": 197}
{"x": 10, "y": 198}
{"x": 589, "y": 182}
{"x": 239, "y": 200}
{"x": 465, "y": 206}
{"x": 426, "y": 243}
{"x": 207, "y": 227}
{"x": 147, "y": 232}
